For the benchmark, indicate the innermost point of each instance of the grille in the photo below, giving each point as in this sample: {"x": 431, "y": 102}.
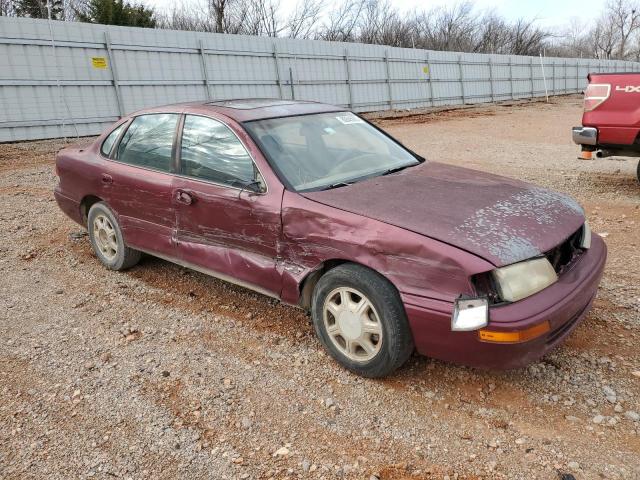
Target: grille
{"x": 562, "y": 256}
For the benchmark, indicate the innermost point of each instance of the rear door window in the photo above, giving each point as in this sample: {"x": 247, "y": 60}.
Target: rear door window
{"x": 148, "y": 142}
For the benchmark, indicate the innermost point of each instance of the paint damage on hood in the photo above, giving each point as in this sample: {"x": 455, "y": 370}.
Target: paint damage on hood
{"x": 499, "y": 219}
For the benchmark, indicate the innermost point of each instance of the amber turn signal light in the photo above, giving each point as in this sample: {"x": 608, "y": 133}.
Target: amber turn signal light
{"x": 514, "y": 337}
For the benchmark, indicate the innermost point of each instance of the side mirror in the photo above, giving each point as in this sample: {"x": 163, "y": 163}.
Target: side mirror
{"x": 254, "y": 186}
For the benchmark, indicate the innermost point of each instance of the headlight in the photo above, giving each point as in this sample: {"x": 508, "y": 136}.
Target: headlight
{"x": 585, "y": 241}
{"x": 523, "y": 279}
{"x": 470, "y": 314}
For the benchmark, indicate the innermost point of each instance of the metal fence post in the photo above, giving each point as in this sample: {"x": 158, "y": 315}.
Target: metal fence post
{"x": 493, "y": 96}
{"x": 114, "y": 73}
{"x": 531, "y": 76}
{"x": 348, "y": 67}
{"x": 461, "y": 78}
{"x": 553, "y": 88}
{"x": 293, "y": 90}
{"x": 277, "y": 64}
{"x": 429, "y": 79}
{"x": 203, "y": 60}
{"x": 511, "y": 78}
{"x": 386, "y": 61}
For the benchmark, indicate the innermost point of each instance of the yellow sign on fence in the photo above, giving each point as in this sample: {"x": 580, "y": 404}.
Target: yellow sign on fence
{"x": 99, "y": 62}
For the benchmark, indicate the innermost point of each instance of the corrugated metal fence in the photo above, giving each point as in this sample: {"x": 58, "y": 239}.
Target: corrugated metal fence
{"x": 92, "y": 74}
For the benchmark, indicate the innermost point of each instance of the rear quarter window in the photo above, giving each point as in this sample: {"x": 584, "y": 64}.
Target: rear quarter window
{"x": 107, "y": 145}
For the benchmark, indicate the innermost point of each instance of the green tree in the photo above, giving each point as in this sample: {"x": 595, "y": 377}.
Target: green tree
{"x": 116, "y": 12}
{"x": 38, "y": 9}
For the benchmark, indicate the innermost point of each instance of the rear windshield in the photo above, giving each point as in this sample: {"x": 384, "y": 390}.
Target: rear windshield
{"x": 316, "y": 152}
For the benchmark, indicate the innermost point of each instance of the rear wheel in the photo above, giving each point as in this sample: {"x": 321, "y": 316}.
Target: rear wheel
{"x": 107, "y": 241}
{"x": 359, "y": 317}
{"x": 638, "y": 171}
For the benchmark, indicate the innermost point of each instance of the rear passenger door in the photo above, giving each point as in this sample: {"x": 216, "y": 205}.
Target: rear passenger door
{"x": 228, "y": 218}
{"x": 139, "y": 182}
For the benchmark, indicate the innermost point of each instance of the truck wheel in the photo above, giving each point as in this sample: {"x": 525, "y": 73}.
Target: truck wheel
{"x": 360, "y": 319}
{"x": 107, "y": 241}
{"x": 638, "y": 171}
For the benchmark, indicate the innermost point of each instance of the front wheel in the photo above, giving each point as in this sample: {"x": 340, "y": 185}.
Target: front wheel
{"x": 359, "y": 318}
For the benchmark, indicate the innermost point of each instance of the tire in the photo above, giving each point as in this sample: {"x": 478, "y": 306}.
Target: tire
{"x": 107, "y": 240}
{"x": 638, "y": 171}
{"x": 383, "y": 341}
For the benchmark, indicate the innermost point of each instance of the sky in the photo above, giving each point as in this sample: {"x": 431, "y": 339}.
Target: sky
{"x": 550, "y": 13}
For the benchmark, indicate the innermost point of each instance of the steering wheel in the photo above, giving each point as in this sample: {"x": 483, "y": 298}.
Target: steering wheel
{"x": 342, "y": 166}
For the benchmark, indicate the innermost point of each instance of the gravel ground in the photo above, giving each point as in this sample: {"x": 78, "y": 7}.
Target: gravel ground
{"x": 161, "y": 372}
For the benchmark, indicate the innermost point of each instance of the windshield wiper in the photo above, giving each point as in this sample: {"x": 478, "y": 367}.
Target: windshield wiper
{"x": 396, "y": 169}
{"x": 338, "y": 185}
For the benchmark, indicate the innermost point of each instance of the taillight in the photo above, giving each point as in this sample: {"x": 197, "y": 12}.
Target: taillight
{"x": 595, "y": 94}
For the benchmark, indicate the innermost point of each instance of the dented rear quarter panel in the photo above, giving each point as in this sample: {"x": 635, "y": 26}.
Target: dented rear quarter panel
{"x": 79, "y": 176}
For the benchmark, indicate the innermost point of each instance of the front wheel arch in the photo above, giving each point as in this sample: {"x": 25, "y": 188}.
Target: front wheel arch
{"x": 309, "y": 282}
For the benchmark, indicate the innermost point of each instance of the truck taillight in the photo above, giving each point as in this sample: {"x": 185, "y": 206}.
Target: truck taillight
{"x": 595, "y": 94}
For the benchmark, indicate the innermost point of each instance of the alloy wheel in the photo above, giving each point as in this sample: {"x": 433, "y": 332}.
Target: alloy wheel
{"x": 105, "y": 237}
{"x": 352, "y": 324}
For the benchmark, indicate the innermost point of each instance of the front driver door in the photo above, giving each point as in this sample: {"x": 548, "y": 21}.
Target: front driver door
{"x": 225, "y": 226}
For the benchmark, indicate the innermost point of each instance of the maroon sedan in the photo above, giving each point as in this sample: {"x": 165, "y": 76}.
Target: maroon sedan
{"x": 315, "y": 206}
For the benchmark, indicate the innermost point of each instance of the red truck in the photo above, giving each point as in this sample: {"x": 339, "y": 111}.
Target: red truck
{"x": 611, "y": 119}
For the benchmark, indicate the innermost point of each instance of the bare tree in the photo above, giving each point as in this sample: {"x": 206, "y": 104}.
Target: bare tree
{"x": 304, "y": 19}
{"x": 447, "y": 28}
{"x": 187, "y": 17}
{"x": 526, "y": 38}
{"x": 7, "y": 8}
{"x": 625, "y": 16}
{"x": 342, "y": 23}
{"x": 603, "y": 38}
{"x": 454, "y": 27}
{"x": 219, "y": 10}
{"x": 492, "y": 34}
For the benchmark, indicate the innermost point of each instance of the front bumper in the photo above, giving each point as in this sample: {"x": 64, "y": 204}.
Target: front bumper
{"x": 585, "y": 135}
{"x": 563, "y": 304}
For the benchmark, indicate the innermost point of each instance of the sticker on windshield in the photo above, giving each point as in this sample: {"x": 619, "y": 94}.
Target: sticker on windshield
{"x": 349, "y": 119}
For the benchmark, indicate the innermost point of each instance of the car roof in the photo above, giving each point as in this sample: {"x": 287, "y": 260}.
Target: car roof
{"x": 248, "y": 109}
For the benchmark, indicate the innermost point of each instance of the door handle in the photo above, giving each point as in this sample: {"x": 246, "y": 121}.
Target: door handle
{"x": 107, "y": 179}
{"x": 184, "y": 198}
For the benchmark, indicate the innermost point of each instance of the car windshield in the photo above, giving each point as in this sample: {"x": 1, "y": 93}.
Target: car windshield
{"x": 321, "y": 151}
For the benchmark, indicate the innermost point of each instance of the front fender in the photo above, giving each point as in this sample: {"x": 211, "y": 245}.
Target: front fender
{"x": 416, "y": 265}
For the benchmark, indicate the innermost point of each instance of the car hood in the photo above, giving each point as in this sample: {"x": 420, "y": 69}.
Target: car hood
{"x": 499, "y": 219}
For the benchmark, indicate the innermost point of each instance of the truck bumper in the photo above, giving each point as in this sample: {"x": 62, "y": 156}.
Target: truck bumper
{"x": 585, "y": 135}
